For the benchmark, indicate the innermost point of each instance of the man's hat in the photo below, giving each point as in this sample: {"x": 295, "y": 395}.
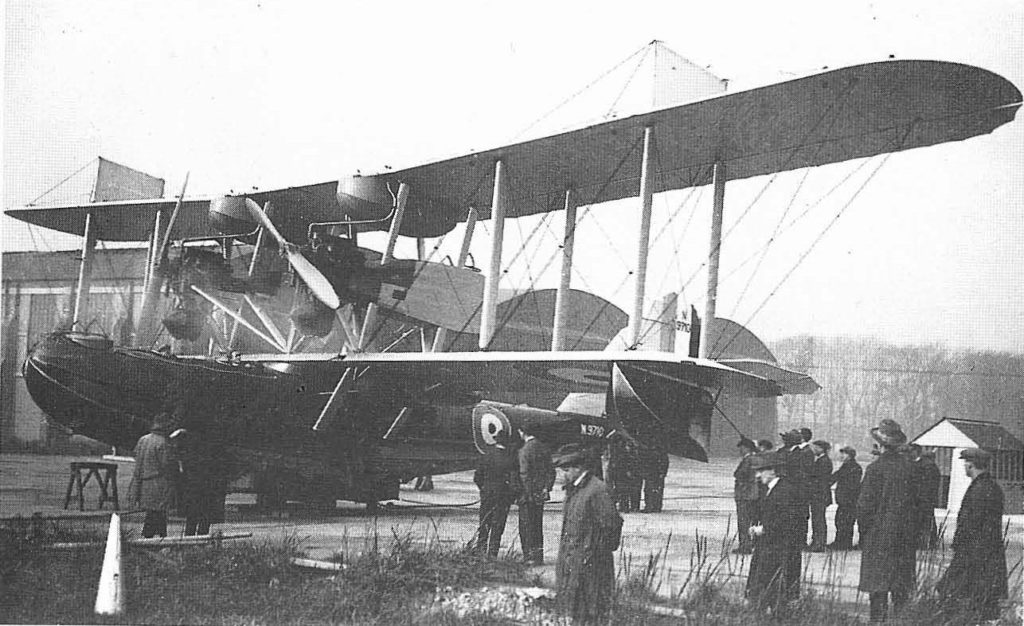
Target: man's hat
{"x": 889, "y": 433}
{"x": 821, "y": 443}
{"x": 766, "y": 460}
{"x": 791, "y": 437}
{"x": 977, "y": 456}
{"x": 746, "y": 443}
{"x": 848, "y": 450}
{"x": 574, "y": 455}
{"x": 163, "y": 423}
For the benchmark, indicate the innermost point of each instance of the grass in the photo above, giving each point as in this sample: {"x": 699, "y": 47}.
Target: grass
{"x": 712, "y": 592}
{"x": 245, "y": 583}
{"x": 400, "y": 579}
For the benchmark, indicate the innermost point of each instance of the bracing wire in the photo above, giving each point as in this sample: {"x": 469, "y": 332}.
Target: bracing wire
{"x": 810, "y": 248}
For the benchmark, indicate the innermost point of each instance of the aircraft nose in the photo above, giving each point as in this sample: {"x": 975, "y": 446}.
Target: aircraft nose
{"x": 71, "y": 380}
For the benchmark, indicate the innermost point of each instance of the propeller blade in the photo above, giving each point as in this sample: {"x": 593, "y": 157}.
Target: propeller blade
{"x": 314, "y": 279}
{"x": 261, "y": 216}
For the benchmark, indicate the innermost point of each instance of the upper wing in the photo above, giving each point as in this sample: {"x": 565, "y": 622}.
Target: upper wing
{"x": 830, "y": 117}
{"x": 834, "y": 116}
{"x": 132, "y": 220}
{"x": 498, "y": 373}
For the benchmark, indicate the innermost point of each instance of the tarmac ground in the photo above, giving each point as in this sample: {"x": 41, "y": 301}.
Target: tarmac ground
{"x": 694, "y": 534}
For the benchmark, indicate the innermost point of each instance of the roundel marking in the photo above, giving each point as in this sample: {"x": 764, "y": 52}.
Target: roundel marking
{"x": 488, "y": 421}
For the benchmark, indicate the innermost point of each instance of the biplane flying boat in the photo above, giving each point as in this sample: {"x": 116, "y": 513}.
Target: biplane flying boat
{"x": 354, "y": 421}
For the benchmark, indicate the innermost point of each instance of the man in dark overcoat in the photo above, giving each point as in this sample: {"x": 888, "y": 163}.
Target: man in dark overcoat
{"x": 497, "y": 477}
{"x": 819, "y": 493}
{"x": 928, "y": 478}
{"x": 624, "y": 474}
{"x": 976, "y": 578}
{"x": 154, "y": 481}
{"x": 204, "y": 482}
{"x": 746, "y": 494}
{"x": 847, "y": 482}
{"x": 591, "y": 532}
{"x": 886, "y": 514}
{"x": 536, "y": 478}
{"x": 778, "y": 537}
{"x": 799, "y": 460}
{"x": 653, "y": 461}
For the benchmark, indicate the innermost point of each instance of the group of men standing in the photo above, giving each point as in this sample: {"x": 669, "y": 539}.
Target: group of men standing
{"x": 635, "y": 469}
{"x": 507, "y": 475}
{"x": 591, "y": 525}
{"x": 176, "y": 470}
{"x": 892, "y": 506}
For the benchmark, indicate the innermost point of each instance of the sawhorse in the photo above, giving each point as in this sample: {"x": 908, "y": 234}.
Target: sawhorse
{"x": 106, "y": 476}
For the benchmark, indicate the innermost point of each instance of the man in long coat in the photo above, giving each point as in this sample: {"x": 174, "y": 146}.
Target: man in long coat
{"x": 799, "y": 459}
{"x": 819, "y": 494}
{"x": 653, "y": 461}
{"x": 746, "y": 494}
{"x": 536, "y": 478}
{"x": 623, "y": 474}
{"x": 778, "y": 537}
{"x": 203, "y": 482}
{"x": 155, "y": 477}
{"x": 886, "y": 513}
{"x": 847, "y": 482}
{"x": 497, "y": 476}
{"x": 591, "y": 531}
{"x": 976, "y": 578}
{"x": 928, "y": 478}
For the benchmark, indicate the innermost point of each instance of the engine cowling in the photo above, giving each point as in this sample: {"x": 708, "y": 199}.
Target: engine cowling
{"x": 230, "y": 216}
{"x": 364, "y": 198}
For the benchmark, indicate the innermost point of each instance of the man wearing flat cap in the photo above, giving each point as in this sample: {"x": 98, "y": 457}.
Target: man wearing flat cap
{"x": 536, "y": 477}
{"x": 591, "y": 532}
{"x": 976, "y": 578}
{"x": 155, "y": 477}
{"x": 778, "y": 537}
{"x": 746, "y": 493}
{"x": 847, "y": 482}
{"x": 886, "y": 511}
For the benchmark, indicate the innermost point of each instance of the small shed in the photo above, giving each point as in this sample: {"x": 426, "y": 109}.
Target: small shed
{"x": 949, "y": 436}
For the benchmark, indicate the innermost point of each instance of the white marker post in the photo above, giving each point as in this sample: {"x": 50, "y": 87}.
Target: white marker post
{"x": 110, "y": 595}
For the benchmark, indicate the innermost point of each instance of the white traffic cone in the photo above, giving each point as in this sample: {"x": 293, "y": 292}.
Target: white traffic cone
{"x": 110, "y": 596}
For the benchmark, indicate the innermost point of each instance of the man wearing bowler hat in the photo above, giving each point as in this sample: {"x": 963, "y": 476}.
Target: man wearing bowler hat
{"x": 591, "y": 532}
{"x": 886, "y": 515}
{"x": 976, "y": 578}
{"x": 778, "y": 537}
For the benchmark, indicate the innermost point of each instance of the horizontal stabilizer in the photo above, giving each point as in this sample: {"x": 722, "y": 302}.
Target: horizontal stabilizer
{"x": 790, "y": 381}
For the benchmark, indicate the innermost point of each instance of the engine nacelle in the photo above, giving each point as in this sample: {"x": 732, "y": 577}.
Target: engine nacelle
{"x": 230, "y": 216}
{"x": 364, "y": 198}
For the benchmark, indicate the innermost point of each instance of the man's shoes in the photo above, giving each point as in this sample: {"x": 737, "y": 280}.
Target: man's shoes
{"x": 742, "y": 551}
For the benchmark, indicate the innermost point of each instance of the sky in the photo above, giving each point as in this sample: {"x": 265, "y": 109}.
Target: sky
{"x": 269, "y": 94}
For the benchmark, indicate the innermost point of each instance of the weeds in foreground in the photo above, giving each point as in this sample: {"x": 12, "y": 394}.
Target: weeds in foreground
{"x": 392, "y": 581}
{"x": 712, "y": 592}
